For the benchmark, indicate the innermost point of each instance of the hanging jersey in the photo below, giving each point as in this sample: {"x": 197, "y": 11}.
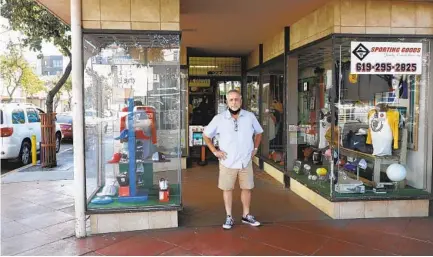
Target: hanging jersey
{"x": 324, "y": 126}
{"x": 383, "y": 129}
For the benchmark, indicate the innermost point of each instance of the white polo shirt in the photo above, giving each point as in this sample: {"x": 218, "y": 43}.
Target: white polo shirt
{"x": 237, "y": 144}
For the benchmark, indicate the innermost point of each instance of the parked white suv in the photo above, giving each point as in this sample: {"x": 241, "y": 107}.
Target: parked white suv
{"x": 19, "y": 121}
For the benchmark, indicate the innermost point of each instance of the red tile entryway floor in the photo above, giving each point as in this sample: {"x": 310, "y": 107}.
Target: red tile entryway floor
{"x": 291, "y": 226}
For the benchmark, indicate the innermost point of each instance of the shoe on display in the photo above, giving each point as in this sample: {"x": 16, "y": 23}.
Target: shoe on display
{"x": 124, "y": 158}
{"x": 123, "y": 135}
{"x": 102, "y": 200}
{"x": 250, "y": 220}
{"x": 108, "y": 190}
{"x": 116, "y": 158}
{"x": 140, "y": 168}
{"x": 123, "y": 179}
{"x": 157, "y": 157}
{"x": 229, "y": 223}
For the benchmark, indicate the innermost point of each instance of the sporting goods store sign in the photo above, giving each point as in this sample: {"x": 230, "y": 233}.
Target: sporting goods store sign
{"x": 386, "y": 58}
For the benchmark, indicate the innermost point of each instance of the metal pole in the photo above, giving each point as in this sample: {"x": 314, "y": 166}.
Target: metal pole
{"x": 78, "y": 125}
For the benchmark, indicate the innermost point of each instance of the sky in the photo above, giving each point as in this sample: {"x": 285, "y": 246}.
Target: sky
{"x": 31, "y": 57}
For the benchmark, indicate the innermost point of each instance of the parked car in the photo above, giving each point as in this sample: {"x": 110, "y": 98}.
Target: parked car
{"x": 65, "y": 122}
{"x": 19, "y": 121}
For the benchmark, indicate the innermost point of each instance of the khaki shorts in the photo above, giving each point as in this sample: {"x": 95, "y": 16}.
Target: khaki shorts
{"x": 227, "y": 177}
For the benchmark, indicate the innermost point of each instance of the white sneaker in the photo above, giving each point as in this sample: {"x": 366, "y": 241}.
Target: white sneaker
{"x": 249, "y": 219}
{"x": 229, "y": 223}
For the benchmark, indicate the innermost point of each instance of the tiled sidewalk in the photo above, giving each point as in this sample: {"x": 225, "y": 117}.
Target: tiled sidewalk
{"x": 364, "y": 237}
{"x": 37, "y": 218}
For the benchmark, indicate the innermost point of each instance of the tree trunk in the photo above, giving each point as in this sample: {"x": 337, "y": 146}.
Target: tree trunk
{"x": 52, "y": 93}
{"x": 56, "y": 101}
{"x": 48, "y": 155}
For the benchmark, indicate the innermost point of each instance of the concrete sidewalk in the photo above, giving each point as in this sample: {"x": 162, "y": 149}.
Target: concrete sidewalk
{"x": 63, "y": 171}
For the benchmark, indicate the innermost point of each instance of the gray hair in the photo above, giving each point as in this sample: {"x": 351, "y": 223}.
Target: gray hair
{"x": 233, "y": 91}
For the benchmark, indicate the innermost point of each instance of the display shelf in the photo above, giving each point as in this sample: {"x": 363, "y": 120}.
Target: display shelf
{"x": 323, "y": 188}
{"x": 152, "y": 200}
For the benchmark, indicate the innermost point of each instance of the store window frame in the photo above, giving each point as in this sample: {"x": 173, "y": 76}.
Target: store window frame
{"x": 429, "y": 130}
{"x": 101, "y": 175}
{"x": 273, "y": 62}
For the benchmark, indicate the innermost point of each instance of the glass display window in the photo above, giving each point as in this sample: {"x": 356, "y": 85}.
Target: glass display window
{"x": 272, "y": 146}
{"x": 133, "y": 108}
{"x": 380, "y": 107}
{"x": 310, "y": 119}
{"x": 252, "y": 94}
{"x": 361, "y": 116}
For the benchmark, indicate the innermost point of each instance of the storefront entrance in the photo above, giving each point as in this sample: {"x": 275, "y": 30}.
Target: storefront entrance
{"x": 271, "y": 201}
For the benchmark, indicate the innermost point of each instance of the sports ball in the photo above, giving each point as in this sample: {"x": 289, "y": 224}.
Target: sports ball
{"x": 321, "y": 172}
{"x": 396, "y": 172}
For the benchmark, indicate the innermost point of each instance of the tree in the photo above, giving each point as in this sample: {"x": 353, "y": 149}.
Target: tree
{"x": 16, "y": 72}
{"x": 11, "y": 68}
{"x": 30, "y": 82}
{"x": 39, "y": 25}
{"x": 67, "y": 88}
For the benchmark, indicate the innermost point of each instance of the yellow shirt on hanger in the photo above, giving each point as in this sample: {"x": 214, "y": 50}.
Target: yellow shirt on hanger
{"x": 392, "y": 120}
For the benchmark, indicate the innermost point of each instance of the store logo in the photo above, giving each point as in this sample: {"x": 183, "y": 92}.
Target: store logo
{"x": 361, "y": 51}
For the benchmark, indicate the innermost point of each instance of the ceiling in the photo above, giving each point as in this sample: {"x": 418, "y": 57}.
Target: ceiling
{"x": 226, "y": 27}
{"x": 238, "y": 26}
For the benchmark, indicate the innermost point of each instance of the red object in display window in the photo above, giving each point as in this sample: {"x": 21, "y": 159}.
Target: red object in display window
{"x": 151, "y": 113}
{"x": 139, "y": 134}
{"x": 116, "y": 158}
{"x": 124, "y": 191}
{"x": 164, "y": 196}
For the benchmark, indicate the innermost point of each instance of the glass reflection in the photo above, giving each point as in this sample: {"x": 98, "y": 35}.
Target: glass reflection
{"x": 132, "y": 115}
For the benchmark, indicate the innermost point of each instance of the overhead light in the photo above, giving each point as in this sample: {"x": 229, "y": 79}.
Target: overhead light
{"x": 203, "y": 66}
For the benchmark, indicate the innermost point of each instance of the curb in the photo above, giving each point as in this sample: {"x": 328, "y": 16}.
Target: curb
{"x": 31, "y": 165}
{"x": 19, "y": 169}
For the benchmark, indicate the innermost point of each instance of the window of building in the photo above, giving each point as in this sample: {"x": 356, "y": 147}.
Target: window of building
{"x": 272, "y": 116}
{"x": 252, "y": 94}
{"x": 360, "y": 122}
{"x": 137, "y": 165}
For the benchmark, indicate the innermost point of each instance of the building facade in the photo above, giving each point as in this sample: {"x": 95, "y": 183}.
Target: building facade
{"x": 342, "y": 89}
{"x": 51, "y": 65}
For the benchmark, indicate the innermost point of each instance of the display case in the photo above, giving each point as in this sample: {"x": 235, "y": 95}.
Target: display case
{"x": 252, "y": 93}
{"x": 360, "y": 119}
{"x": 133, "y": 121}
{"x": 380, "y": 101}
{"x": 272, "y": 149}
{"x": 186, "y": 110}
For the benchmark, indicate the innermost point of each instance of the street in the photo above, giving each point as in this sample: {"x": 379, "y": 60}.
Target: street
{"x": 8, "y": 165}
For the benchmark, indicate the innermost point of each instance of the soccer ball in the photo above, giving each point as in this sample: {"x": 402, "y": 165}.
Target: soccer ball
{"x": 396, "y": 172}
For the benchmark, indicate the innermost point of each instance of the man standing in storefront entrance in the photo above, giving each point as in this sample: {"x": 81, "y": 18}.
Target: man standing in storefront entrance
{"x": 235, "y": 129}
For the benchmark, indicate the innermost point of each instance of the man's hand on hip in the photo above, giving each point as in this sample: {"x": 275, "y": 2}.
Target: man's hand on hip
{"x": 253, "y": 153}
{"x": 220, "y": 155}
